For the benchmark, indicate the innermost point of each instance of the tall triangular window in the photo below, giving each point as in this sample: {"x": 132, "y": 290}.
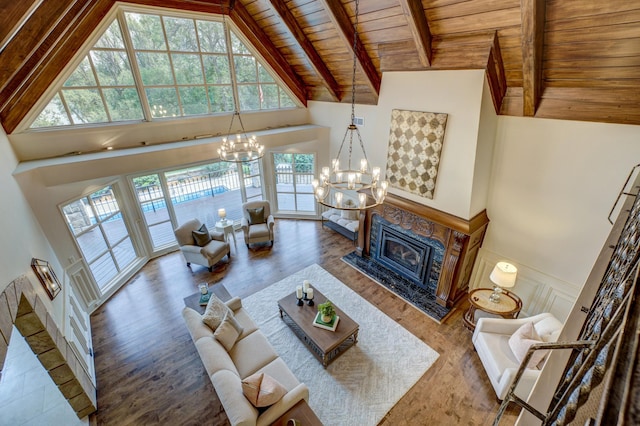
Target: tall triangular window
{"x": 149, "y": 66}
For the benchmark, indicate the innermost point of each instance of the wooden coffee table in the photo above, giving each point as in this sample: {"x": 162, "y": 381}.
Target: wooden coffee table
{"x": 326, "y": 345}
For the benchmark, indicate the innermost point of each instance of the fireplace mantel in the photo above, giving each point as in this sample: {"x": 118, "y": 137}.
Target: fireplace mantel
{"x": 461, "y": 238}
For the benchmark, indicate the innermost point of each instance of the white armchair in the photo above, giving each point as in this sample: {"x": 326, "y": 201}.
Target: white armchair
{"x": 259, "y": 228}
{"x": 491, "y": 340}
{"x": 209, "y": 253}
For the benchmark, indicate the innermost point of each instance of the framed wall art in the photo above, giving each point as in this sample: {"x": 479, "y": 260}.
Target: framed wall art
{"x": 415, "y": 144}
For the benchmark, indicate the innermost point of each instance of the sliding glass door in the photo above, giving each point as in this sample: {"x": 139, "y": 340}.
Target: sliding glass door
{"x": 100, "y": 231}
{"x": 172, "y": 197}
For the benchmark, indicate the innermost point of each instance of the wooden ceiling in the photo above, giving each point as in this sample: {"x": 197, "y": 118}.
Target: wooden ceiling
{"x": 575, "y": 60}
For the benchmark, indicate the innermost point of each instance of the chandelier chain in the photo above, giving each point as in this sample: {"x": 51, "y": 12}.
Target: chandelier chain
{"x": 353, "y": 74}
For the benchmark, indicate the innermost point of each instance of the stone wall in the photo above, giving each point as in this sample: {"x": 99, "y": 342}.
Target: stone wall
{"x": 20, "y": 305}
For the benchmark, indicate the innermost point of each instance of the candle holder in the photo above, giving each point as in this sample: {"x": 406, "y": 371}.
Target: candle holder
{"x": 300, "y": 302}
{"x": 309, "y": 299}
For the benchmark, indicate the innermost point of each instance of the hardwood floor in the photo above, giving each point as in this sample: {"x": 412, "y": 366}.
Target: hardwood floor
{"x": 148, "y": 370}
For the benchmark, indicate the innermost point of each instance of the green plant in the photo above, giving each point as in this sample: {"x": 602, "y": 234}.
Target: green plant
{"x": 326, "y": 309}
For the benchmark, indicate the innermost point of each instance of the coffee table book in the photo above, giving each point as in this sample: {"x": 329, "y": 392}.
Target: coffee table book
{"x": 204, "y": 299}
{"x": 331, "y": 326}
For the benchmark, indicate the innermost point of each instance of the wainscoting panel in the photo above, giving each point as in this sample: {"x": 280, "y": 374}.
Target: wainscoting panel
{"x": 539, "y": 292}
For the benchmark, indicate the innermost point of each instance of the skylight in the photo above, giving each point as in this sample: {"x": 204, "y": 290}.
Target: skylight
{"x": 150, "y": 66}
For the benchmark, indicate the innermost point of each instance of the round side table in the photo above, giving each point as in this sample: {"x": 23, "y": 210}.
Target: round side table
{"x": 227, "y": 228}
{"x": 508, "y": 306}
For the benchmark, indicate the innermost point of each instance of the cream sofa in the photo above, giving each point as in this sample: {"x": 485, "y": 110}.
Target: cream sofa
{"x": 251, "y": 353}
{"x": 491, "y": 340}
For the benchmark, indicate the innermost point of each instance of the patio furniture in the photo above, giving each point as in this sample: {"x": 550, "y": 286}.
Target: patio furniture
{"x": 257, "y": 222}
{"x": 207, "y": 254}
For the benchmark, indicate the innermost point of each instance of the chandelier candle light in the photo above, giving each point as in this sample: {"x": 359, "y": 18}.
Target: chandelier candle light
{"x": 503, "y": 276}
{"x": 242, "y": 148}
{"x": 337, "y": 187}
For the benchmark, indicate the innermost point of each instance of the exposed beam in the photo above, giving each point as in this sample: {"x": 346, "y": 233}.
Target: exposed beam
{"x": 417, "y": 20}
{"x": 496, "y": 74}
{"x": 31, "y": 35}
{"x": 341, "y": 21}
{"x": 49, "y": 59}
{"x": 14, "y": 15}
{"x": 252, "y": 31}
{"x": 533, "y": 20}
{"x": 314, "y": 58}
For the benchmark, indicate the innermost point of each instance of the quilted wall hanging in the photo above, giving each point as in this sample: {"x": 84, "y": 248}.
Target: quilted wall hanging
{"x": 415, "y": 144}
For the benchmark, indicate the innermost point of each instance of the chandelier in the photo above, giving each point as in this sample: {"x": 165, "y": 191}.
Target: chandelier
{"x": 240, "y": 148}
{"x": 342, "y": 186}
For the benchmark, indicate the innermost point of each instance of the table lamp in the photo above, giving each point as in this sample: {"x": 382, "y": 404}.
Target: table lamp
{"x": 222, "y": 213}
{"x": 503, "y": 276}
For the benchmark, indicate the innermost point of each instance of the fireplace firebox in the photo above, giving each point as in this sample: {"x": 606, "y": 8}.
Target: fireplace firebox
{"x": 403, "y": 253}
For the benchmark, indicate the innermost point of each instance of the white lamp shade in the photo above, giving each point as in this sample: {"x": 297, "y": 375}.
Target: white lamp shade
{"x": 504, "y": 274}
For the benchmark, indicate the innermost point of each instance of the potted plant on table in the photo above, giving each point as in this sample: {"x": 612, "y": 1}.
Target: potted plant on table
{"x": 326, "y": 311}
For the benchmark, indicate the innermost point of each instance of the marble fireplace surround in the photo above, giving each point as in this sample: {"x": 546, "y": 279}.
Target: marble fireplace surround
{"x": 461, "y": 239}
{"x": 22, "y": 306}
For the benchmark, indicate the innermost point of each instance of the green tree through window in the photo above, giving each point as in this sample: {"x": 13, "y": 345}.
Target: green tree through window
{"x": 183, "y": 64}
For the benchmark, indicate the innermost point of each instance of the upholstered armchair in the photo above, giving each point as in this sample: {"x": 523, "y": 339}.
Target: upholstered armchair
{"x": 201, "y": 246}
{"x": 257, "y": 222}
{"x": 491, "y": 340}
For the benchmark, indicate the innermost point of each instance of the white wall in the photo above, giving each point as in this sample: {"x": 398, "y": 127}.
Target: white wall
{"x": 457, "y": 93}
{"x": 22, "y": 236}
{"x": 553, "y": 185}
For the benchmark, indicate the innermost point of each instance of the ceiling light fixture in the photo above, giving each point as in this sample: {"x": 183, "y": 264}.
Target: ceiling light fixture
{"x": 339, "y": 187}
{"x": 241, "y": 148}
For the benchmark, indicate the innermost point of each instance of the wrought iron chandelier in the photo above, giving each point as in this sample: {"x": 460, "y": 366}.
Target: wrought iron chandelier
{"x": 241, "y": 148}
{"x": 341, "y": 187}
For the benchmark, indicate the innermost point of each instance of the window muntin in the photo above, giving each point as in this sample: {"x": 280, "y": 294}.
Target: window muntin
{"x": 182, "y": 64}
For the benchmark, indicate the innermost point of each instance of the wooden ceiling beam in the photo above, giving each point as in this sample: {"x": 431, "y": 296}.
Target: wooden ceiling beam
{"x": 533, "y": 21}
{"x": 496, "y": 74}
{"x": 54, "y": 52}
{"x": 14, "y": 15}
{"x": 417, "y": 20}
{"x": 340, "y": 19}
{"x": 252, "y": 31}
{"x": 314, "y": 58}
{"x": 30, "y": 37}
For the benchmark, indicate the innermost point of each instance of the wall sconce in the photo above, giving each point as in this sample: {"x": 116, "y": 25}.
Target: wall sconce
{"x": 46, "y": 276}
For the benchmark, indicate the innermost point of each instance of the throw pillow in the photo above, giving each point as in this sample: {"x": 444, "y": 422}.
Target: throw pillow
{"x": 215, "y": 312}
{"x": 350, "y": 214}
{"x": 262, "y": 390}
{"x": 202, "y": 236}
{"x": 256, "y": 215}
{"x": 228, "y": 331}
{"x": 522, "y": 339}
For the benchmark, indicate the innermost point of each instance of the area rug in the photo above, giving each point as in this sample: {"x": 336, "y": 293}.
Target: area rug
{"x": 408, "y": 290}
{"x": 361, "y": 385}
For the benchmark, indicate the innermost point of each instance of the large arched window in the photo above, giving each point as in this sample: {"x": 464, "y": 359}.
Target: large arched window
{"x": 151, "y": 65}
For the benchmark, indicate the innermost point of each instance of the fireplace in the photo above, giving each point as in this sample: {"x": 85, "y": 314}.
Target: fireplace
{"x": 430, "y": 248}
{"x": 412, "y": 256}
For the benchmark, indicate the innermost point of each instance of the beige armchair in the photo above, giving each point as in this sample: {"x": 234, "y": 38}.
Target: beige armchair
{"x": 211, "y": 250}
{"x": 257, "y": 228}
